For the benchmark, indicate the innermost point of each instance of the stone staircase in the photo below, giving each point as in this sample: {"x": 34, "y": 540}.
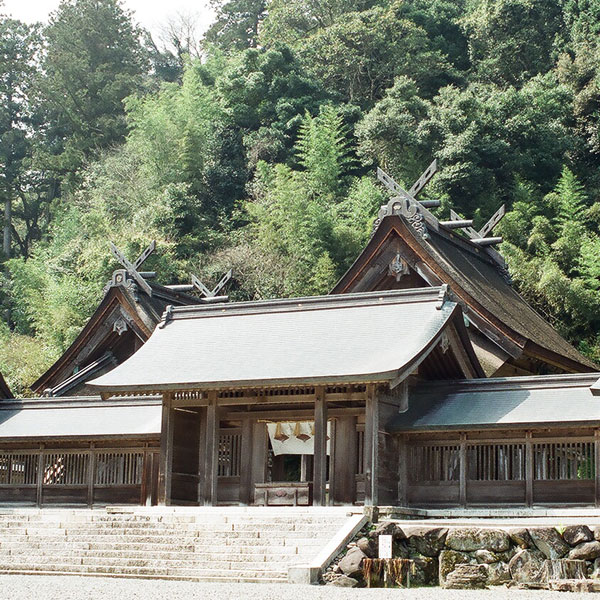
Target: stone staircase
{"x": 203, "y": 544}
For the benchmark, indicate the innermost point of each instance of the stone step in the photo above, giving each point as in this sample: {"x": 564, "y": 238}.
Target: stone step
{"x": 148, "y": 571}
{"x": 277, "y": 578}
{"x": 140, "y": 550}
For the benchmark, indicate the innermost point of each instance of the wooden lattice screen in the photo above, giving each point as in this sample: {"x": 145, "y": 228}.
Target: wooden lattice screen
{"x": 119, "y": 468}
{"x": 496, "y": 462}
{"x": 230, "y": 454}
{"x": 18, "y": 469}
{"x": 435, "y": 463}
{"x": 566, "y": 460}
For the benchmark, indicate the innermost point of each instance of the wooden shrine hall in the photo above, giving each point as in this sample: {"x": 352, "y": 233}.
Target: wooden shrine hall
{"x": 423, "y": 380}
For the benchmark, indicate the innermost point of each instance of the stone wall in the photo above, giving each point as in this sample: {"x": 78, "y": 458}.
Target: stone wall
{"x": 461, "y": 556}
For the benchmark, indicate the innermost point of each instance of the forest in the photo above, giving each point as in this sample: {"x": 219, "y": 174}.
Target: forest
{"x": 254, "y": 147}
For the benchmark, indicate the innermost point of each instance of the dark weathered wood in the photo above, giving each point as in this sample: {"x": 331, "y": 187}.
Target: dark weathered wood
{"x": 344, "y": 461}
{"x": 320, "y": 449}
{"x": 166, "y": 453}
{"x": 259, "y": 453}
{"x": 402, "y": 472}
{"x": 597, "y": 468}
{"x": 528, "y": 469}
{"x": 371, "y": 455}
{"x": 463, "y": 471}
{"x": 40, "y": 477}
{"x": 91, "y": 472}
{"x": 246, "y": 471}
{"x": 212, "y": 451}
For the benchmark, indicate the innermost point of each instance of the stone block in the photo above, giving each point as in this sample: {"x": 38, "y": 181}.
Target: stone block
{"x": 576, "y": 534}
{"x": 425, "y": 571}
{"x": 344, "y": 581}
{"x": 548, "y": 541}
{"x": 469, "y": 539}
{"x": 368, "y": 546}
{"x": 585, "y": 551}
{"x": 498, "y": 573}
{"x": 467, "y": 577}
{"x": 485, "y": 557}
{"x": 448, "y": 560}
{"x": 352, "y": 563}
{"x": 428, "y": 541}
{"x": 526, "y": 567}
{"x": 520, "y": 536}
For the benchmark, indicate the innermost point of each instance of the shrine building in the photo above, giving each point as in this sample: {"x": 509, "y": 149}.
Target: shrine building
{"x": 423, "y": 380}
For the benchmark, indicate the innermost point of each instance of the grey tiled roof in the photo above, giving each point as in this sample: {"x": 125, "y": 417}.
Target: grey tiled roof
{"x": 329, "y": 339}
{"x": 558, "y": 399}
{"x": 79, "y": 417}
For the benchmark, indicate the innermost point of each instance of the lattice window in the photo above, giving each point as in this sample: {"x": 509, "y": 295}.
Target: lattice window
{"x": 435, "y": 463}
{"x": 496, "y": 462}
{"x": 18, "y": 469}
{"x": 119, "y": 468}
{"x": 65, "y": 468}
{"x": 567, "y": 460}
{"x": 230, "y": 455}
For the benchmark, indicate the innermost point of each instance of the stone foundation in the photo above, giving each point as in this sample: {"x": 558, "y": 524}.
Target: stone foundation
{"x": 476, "y": 557}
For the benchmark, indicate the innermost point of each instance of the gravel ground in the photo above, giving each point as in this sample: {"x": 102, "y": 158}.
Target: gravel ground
{"x": 33, "y": 587}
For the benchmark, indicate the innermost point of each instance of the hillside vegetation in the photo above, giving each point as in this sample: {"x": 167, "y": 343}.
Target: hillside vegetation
{"x": 255, "y": 148}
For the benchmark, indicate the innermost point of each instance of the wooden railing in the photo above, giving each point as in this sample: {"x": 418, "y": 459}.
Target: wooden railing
{"x": 525, "y": 472}
{"x": 79, "y": 476}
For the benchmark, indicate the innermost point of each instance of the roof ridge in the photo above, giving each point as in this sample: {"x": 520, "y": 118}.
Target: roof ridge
{"x": 426, "y": 294}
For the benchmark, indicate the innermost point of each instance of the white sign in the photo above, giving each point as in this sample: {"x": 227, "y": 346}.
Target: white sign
{"x": 385, "y": 546}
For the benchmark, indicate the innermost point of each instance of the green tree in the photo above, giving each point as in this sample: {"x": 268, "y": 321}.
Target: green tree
{"x": 19, "y": 46}
{"x": 93, "y": 61}
{"x": 237, "y": 23}
{"x": 511, "y": 41}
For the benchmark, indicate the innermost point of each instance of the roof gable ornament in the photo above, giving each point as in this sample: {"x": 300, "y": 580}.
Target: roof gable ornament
{"x": 212, "y": 294}
{"x": 130, "y": 276}
{"x": 405, "y": 203}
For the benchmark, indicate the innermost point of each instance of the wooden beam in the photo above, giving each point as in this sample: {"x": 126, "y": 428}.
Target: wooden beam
{"x": 90, "y": 474}
{"x": 371, "y": 445}
{"x": 290, "y": 415}
{"x": 166, "y": 452}
{"x": 403, "y": 472}
{"x": 211, "y": 455}
{"x": 320, "y": 449}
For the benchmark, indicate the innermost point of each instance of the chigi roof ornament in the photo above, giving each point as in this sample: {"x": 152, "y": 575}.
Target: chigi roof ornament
{"x": 130, "y": 276}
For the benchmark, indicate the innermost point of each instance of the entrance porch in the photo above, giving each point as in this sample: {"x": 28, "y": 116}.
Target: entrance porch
{"x": 272, "y": 447}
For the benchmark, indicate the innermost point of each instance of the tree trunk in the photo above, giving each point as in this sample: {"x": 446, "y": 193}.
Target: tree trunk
{"x": 6, "y": 242}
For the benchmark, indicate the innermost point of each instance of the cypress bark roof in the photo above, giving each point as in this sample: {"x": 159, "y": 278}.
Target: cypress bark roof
{"x": 489, "y": 300}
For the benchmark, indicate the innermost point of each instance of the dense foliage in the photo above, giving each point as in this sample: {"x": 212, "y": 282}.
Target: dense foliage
{"x": 257, "y": 151}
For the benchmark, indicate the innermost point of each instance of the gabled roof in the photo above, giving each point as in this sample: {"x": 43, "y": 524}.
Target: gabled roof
{"x": 477, "y": 282}
{"x": 125, "y": 318}
{"x": 4, "y": 389}
{"x": 502, "y": 402}
{"x": 377, "y": 337}
{"x": 78, "y": 417}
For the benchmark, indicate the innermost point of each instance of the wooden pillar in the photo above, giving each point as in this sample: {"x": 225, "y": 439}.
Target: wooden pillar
{"x": 403, "y": 472}
{"x": 528, "y": 469}
{"x": 597, "y": 467}
{"x": 91, "y": 472}
{"x": 166, "y": 452}
{"x": 260, "y": 446}
{"x": 343, "y": 465}
{"x": 211, "y": 455}
{"x": 371, "y": 447}
{"x": 246, "y": 494}
{"x": 462, "y": 493}
{"x": 304, "y": 467}
{"x": 320, "y": 451}
{"x": 40, "y": 477}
